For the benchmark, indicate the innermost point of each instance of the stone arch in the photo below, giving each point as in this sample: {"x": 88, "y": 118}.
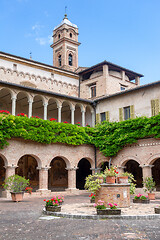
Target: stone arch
{"x": 27, "y": 167}
{"x": 66, "y": 111}
{"x": 5, "y": 99}
{"x": 3, "y": 164}
{"x": 22, "y": 102}
{"x": 133, "y": 166}
{"x": 155, "y": 162}
{"x": 37, "y": 106}
{"x": 125, "y": 159}
{"x": 78, "y": 113}
{"x": 52, "y": 109}
{"x": 103, "y": 165}
{"x": 58, "y": 174}
{"x": 84, "y": 169}
{"x": 88, "y": 115}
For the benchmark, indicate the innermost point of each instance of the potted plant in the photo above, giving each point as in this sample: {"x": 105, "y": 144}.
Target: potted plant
{"x": 157, "y": 210}
{"x": 16, "y": 185}
{"x": 28, "y": 190}
{"x": 92, "y": 197}
{"x": 111, "y": 174}
{"x": 52, "y": 205}
{"x": 123, "y": 178}
{"x": 102, "y": 210}
{"x": 139, "y": 198}
{"x": 93, "y": 183}
{"x": 149, "y": 185}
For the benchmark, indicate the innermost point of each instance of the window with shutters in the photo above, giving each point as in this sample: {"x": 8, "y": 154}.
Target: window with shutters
{"x": 127, "y": 113}
{"x": 103, "y": 116}
{"x": 154, "y": 107}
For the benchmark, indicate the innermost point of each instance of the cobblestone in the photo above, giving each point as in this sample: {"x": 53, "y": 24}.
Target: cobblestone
{"x": 25, "y": 221}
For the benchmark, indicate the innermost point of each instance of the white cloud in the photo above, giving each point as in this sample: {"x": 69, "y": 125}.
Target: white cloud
{"x": 43, "y": 41}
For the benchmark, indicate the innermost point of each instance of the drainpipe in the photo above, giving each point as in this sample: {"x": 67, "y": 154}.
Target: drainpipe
{"x": 95, "y": 149}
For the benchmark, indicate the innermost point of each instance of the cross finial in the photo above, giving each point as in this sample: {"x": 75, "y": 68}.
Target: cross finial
{"x": 65, "y": 15}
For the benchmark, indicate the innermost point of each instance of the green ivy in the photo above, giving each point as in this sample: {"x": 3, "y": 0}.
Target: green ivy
{"x": 109, "y": 138}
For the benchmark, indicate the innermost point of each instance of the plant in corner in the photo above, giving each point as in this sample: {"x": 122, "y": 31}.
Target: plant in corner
{"x": 52, "y": 205}
{"x": 149, "y": 185}
{"x": 16, "y": 185}
{"x": 92, "y": 197}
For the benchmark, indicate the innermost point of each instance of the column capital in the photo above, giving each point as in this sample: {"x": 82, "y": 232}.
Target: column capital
{"x": 30, "y": 101}
{"x": 11, "y": 166}
{"x": 43, "y": 168}
{"x": 121, "y": 167}
{"x": 72, "y": 168}
{"x": 72, "y": 108}
{"x": 14, "y": 97}
{"x": 45, "y": 104}
{"x": 144, "y": 166}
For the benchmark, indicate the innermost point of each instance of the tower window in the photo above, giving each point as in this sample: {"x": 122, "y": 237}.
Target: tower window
{"x": 59, "y": 60}
{"x": 70, "y": 35}
{"x": 59, "y": 36}
{"x": 70, "y": 59}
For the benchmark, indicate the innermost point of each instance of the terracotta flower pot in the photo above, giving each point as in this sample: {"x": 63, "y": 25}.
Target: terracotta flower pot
{"x": 17, "y": 197}
{"x": 110, "y": 180}
{"x": 123, "y": 179}
{"x": 108, "y": 211}
{"x": 151, "y": 196}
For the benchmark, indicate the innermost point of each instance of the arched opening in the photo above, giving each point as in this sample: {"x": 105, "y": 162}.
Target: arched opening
{"x": 22, "y": 103}
{"x": 78, "y": 115}
{"x": 70, "y": 59}
{"x": 156, "y": 173}
{"x": 37, "y": 107}
{"x": 27, "y": 167}
{"x": 59, "y": 60}
{"x": 52, "y": 110}
{"x": 88, "y": 117}
{"x": 5, "y": 100}
{"x": 65, "y": 112}
{"x": 2, "y": 174}
{"x": 82, "y": 172}
{"x": 133, "y": 167}
{"x": 103, "y": 166}
{"x": 58, "y": 175}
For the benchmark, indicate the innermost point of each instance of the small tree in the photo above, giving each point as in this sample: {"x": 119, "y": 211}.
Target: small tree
{"x": 15, "y": 183}
{"x": 149, "y": 184}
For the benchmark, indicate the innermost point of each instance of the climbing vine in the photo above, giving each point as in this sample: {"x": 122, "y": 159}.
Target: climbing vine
{"x": 109, "y": 138}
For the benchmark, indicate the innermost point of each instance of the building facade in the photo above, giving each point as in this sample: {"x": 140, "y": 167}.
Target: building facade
{"x": 74, "y": 94}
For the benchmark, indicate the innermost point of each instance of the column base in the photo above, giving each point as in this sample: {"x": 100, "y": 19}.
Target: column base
{"x": 6, "y": 194}
{"x": 72, "y": 190}
{"x": 44, "y": 192}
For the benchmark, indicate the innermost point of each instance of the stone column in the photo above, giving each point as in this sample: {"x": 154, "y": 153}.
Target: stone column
{"x": 95, "y": 170}
{"x": 14, "y": 105}
{"x": 72, "y": 115}
{"x": 72, "y": 179}
{"x": 83, "y": 118}
{"x": 10, "y": 170}
{"x": 45, "y": 110}
{"x": 93, "y": 119}
{"x": 43, "y": 180}
{"x": 59, "y": 113}
{"x": 30, "y": 108}
{"x": 146, "y": 170}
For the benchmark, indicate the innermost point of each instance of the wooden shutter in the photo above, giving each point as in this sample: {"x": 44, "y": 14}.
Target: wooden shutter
{"x": 120, "y": 114}
{"x": 156, "y": 106}
{"x": 97, "y": 118}
{"x": 107, "y": 116}
{"x": 153, "y": 107}
{"x": 132, "y": 111}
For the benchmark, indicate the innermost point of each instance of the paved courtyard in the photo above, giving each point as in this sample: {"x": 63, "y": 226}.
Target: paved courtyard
{"x": 25, "y": 221}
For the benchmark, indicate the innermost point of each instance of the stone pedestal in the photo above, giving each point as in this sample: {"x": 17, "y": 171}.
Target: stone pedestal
{"x": 114, "y": 193}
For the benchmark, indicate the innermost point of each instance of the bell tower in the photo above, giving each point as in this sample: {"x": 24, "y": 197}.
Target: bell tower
{"x": 65, "y": 45}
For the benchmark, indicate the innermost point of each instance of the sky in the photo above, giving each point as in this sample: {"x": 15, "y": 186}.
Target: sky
{"x": 124, "y": 32}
